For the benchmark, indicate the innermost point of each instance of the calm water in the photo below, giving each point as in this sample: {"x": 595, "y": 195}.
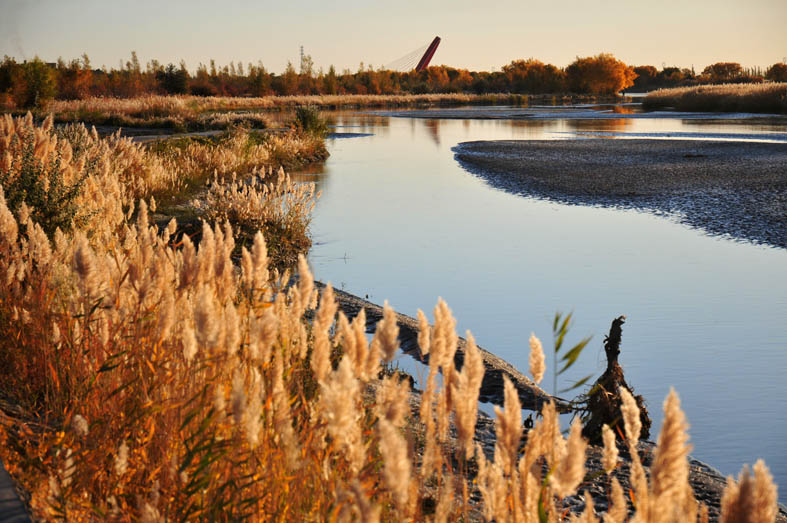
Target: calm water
{"x": 400, "y": 220}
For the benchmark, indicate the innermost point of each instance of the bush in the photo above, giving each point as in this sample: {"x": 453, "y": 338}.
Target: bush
{"x": 309, "y": 121}
{"x": 38, "y": 181}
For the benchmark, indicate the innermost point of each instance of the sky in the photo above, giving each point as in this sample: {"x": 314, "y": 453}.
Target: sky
{"x": 476, "y": 35}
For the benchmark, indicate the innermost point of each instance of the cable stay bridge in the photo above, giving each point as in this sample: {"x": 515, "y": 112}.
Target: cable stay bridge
{"x": 417, "y": 60}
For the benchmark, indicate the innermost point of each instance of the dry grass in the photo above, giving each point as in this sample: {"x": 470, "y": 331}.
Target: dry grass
{"x": 153, "y": 381}
{"x": 196, "y": 113}
{"x": 240, "y": 150}
{"x": 753, "y": 98}
{"x": 279, "y": 207}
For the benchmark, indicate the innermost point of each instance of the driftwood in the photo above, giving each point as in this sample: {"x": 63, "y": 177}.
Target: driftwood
{"x": 603, "y": 400}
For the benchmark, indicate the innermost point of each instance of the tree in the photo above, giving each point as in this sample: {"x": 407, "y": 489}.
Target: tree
{"x": 533, "y": 76}
{"x": 722, "y": 72}
{"x": 777, "y": 72}
{"x": 39, "y": 83}
{"x": 330, "y": 85}
{"x": 601, "y": 74}
{"x": 646, "y": 77}
{"x": 173, "y": 80}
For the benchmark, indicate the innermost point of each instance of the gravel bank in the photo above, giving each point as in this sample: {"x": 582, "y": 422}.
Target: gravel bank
{"x": 724, "y": 188}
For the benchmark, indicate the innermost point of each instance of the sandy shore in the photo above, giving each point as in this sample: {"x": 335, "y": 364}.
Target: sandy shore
{"x": 725, "y": 188}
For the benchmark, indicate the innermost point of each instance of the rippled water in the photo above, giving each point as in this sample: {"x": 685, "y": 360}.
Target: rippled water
{"x": 400, "y": 220}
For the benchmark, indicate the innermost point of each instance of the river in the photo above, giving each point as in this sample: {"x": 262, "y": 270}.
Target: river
{"x": 400, "y": 219}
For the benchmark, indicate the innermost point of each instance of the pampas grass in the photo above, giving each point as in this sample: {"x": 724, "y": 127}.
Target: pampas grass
{"x": 753, "y": 98}
{"x": 158, "y": 380}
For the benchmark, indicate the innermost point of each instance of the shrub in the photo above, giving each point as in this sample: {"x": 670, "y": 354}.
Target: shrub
{"x": 308, "y": 120}
{"x": 36, "y": 175}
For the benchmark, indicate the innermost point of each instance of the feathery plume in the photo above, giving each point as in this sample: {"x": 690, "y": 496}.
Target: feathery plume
{"x": 508, "y": 427}
{"x": 571, "y": 469}
{"x": 121, "y": 459}
{"x": 207, "y": 328}
{"x": 80, "y": 425}
{"x": 631, "y": 418}
{"x": 465, "y": 386}
{"x": 321, "y": 351}
{"x": 392, "y": 404}
{"x": 396, "y": 471}
{"x": 669, "y": 473}
{"x": 610, "y": 457}
{"x": 338, "y": 409}
{"x": 617, "y": 511}
{"x": 389, "y": 332}
{"x": 189, "y": 341}
{"x": 750, "y": 499}
{"x": 423, "y": 333}
{"x": 537, "y": 365}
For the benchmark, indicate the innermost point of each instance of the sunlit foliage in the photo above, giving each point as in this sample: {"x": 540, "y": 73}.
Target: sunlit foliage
{"x": 151, "y": 379}
{"x": 600, "y": 74}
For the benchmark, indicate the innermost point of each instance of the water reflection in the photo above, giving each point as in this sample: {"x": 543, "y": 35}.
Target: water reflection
{"x": 618, "y": 124}
{"x": 433, "y": 128}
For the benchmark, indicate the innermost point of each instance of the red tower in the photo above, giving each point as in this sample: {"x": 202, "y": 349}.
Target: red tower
{"x": 427, "y": 57}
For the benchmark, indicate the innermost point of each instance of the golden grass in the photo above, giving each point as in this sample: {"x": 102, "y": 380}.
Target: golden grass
{"x": 151, "y": 381}
{"x": 195, "y": 112}
{"x": 755, "y": 98}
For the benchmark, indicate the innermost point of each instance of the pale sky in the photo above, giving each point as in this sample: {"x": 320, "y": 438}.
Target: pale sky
{"x": 476, "y": 34}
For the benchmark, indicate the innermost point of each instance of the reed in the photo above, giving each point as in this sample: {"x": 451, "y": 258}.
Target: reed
{"x": 152, "y": 380}
{"x": 213, "y": 112}
{"x": 752, "y": 98}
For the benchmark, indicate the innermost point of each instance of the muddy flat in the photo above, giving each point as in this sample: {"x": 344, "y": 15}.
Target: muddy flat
{"x": 731, "y": 189}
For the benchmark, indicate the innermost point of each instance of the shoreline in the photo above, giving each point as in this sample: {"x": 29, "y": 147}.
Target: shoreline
{"x": 707, "y": 481}
{"x": 731, "y": 189}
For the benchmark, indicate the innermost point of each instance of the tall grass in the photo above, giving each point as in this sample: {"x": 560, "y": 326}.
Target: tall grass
{"x": 197, "y": 113}
{"x": 150, "y": 380}
{"x": 753, "y": 98}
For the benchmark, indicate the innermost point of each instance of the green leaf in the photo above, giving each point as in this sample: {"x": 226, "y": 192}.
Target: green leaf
{"x": 578, "y": 383}
{"x": 571, "y": 356}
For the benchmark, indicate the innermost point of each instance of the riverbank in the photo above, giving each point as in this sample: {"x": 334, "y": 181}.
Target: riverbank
{"x": 707, "y": 483}
{"x": 752, "y": 98}
{"x": 197, "y": 113}
{"x": 725, "y": 188}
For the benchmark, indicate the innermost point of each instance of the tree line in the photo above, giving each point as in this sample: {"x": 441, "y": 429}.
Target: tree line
{"x": 32, "y": 82}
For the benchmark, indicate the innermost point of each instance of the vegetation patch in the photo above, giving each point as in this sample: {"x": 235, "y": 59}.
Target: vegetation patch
{"x": 749, "y": 98}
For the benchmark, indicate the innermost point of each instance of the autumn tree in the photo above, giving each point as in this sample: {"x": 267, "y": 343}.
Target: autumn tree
{"x": 647, "y": 77}
{"x": 533, "y": 76}
{"x": 777, "y": 72}
{"x": 722, "y": 72}
{"x": 75, "y": 81}
{"x": 601, "y": 74}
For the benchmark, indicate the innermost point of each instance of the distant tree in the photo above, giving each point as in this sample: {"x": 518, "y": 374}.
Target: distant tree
{"x": 75, "y": 81}
{"x": 777, "y": 72}
{"x": 533, "y": 76}
{"x": 289, "y": 81}
{"x": 722, "y": 72}
{"x": 258, "y": 80}
{"x": 647, "y": 77}
{"x": 173, "y": 80}
{"x": 39, "y": 84}
{"x": 330, "y": 84}
{"x": 601, "y": 74}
